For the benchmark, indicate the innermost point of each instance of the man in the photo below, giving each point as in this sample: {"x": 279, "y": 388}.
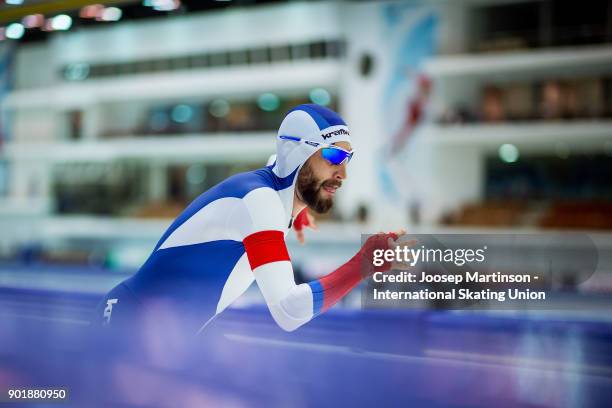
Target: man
{"x": 234, "y": 234}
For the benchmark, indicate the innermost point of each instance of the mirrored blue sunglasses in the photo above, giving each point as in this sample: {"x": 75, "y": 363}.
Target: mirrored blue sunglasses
{"x": 333, "y": 154}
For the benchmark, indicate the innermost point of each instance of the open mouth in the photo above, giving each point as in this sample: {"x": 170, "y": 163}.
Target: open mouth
{"x": 331, "y": 189}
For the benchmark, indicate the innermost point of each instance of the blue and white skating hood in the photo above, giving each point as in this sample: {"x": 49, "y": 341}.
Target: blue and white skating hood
{"x": 312, "y": 123}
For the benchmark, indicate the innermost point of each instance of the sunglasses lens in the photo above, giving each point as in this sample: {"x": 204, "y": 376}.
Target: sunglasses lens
{"x": 335, "y": 156}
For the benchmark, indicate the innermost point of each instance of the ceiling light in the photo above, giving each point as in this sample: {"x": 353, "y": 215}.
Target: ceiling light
{"x": 111, "y": 14}
{"x": 33, "y": 21}
{"x": 61, "y": 22}
{"x": 14, "y": 31}
{"x": 91, "y": 11}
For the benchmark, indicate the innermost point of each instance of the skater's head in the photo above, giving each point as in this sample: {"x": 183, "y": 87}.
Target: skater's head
{"x": 313, "y": 149}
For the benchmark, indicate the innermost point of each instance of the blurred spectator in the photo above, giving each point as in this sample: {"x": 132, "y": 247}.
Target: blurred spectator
{"x": 492, "y": 105}
{"x": 551, "y": 103}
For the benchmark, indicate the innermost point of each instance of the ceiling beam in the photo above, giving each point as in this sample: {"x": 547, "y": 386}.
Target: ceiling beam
{"x": 10, "y": 14}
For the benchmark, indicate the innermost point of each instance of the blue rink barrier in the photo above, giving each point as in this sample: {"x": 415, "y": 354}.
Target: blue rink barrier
{"x": 357, "y": 358}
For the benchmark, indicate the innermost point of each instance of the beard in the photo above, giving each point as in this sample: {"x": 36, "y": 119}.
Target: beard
{"x": 309, "y": 190}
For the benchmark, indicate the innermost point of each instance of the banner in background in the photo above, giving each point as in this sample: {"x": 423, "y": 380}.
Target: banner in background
{"x": 411, "y": 32}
